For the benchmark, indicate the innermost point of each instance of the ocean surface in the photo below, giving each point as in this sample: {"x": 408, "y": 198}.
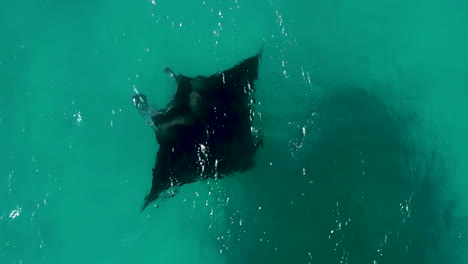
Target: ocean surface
{"x": 363, "y": 108}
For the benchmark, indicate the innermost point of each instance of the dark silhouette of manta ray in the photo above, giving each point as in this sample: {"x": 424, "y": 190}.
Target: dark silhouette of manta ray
{"x": 206, "y": 129}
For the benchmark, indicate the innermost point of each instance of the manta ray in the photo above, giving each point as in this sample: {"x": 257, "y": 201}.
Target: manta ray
{"x": 206, "y": 131}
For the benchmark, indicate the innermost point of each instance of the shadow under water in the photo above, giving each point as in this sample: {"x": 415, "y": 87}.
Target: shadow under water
{"x": 365, "y": 187}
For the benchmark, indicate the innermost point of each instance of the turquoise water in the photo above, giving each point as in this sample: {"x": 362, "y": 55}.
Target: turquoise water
{"x": 363, "y": 109}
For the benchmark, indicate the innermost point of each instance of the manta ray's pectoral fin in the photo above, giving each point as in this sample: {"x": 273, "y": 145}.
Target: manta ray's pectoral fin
{"x": 243, "y": 74}
{"x": 163, "y": 172}
{"x": 153, "y": 195}
{"x": 259, "y": 144}
{"x": 146, "y": 203}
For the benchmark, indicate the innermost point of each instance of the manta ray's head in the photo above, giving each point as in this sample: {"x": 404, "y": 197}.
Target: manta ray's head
{"x": 199, "y": 86}
{"x": 199, "y": 83}
{"x": 195, "y": 101}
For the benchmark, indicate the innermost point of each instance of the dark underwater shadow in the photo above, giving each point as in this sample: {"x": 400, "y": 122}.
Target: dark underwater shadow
{"x": 364, "y": 187}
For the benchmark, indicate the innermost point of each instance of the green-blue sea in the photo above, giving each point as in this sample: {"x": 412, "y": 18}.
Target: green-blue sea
{"x": 363, "y": 107}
